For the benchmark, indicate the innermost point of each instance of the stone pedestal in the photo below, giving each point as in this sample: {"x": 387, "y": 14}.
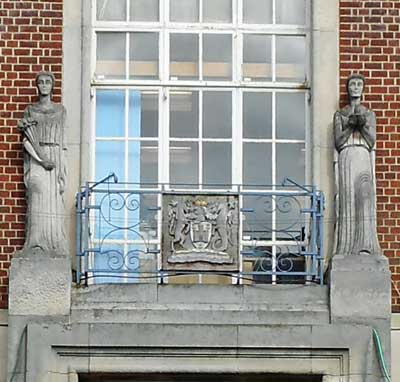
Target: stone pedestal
{"x": 360, "y": 293}
{"x": 40, "y": 286}
{"x": 40, "y": 291}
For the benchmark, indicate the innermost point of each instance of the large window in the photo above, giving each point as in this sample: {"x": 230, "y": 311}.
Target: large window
{"x": 201, "y": 93}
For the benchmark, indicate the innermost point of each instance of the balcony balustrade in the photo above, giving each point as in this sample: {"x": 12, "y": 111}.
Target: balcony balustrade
{"x": 164, "y": 233}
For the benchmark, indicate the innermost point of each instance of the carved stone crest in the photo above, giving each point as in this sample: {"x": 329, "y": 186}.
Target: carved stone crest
{"x": 200, "y": 232}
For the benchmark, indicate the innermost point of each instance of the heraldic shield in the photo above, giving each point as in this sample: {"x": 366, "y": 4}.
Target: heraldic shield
{"x": 200, "y": 232}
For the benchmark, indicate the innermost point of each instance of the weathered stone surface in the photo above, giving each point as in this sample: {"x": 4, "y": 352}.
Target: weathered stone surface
{"x": 43, "y": 129}
{"x": 202, "y": 304}
{"x": 40, "y": 286}
{"x": 360, "y": 293}
{"x": 355, "y": 136}
{"x": 62, "y": 351}
{"x": 3, "y": 345}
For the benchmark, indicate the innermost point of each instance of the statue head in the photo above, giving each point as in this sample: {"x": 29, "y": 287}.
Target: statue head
{"x": 45, "y": 83}
{"x": 355, "y": 85}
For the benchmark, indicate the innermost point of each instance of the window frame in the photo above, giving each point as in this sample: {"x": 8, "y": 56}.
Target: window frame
{"x": 237, "y": 86}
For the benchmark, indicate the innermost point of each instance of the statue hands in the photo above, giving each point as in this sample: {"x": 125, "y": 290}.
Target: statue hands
{"x": 353, "y": 122}
{"x": 357, "y": 121}
{"x": 362, "y": 119}
{"x": 25, "y": 123}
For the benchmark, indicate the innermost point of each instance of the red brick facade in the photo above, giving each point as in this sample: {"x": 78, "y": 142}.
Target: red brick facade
{"x": 30, "y": 41}
{"x": 370, "y": 44}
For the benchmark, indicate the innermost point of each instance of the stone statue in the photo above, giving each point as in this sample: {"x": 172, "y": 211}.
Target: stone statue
{"x": 354, "y": 136}
{"x": 43, "y": 129}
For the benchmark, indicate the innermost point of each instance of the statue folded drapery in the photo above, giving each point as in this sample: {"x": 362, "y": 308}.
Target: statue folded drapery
{"x": 43, "y": 129}
{"x": 354, "y": 136}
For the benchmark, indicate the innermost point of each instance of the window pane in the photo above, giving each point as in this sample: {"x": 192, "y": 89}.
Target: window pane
{"x": 257, "y": 57}
{"x": 217, "y": 53}
{"x": 110, "y": 55}
{"x": 184, "y": 114}
{"x": 143, "y": 113}
{"x": 217, "y": 114}
{"x": 217, "y": 11}
{"x": 257, "y": 224}
{"x": 109, "y": 258}
{"x": 290, "y": 162}
{"x": 290, "y": 116}
{"x": 217, "y": 163}
{"x": 257, "y": 11}
{"x": 110, "y": 158}
{"x": 184, "y": 56}
{"x": 143, "y": 55}
{"x": 184, "y": 10}
{"x": 142, "y": 217}
{"x": 257, "y": 115}
{"x": 143, "y": 162}
{"x": 144, "y": 10}
{"x": 110, "y": 113}
{"x": 290, "y": 58}
{"x": 290, "y": 12}
{"x": 184, "y": 163}
{"x": 257, "y": 164}
{"x": 111, "y": 10}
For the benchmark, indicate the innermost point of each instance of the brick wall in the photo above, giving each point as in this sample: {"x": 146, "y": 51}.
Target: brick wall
{"x": 30, "y": 41}
{"x": 370, "y": 44}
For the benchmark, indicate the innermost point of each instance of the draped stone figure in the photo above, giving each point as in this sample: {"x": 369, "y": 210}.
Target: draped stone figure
{"x": 354, "y": 137}
{"x": 43, "y": 129}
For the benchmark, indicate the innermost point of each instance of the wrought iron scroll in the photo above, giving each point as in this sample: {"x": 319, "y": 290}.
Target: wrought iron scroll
{"x": 119, "y": 234}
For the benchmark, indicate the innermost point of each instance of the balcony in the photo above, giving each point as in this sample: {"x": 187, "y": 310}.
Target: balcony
{"x": 185, "y": 234}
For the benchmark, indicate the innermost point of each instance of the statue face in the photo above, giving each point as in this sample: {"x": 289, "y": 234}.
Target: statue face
{"x": 45, "y": 85}
{"x": 355, "y": 87}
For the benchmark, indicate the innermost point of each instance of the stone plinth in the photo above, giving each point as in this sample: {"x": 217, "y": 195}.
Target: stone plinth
{"x": 360, "y": 293}
{"x": 40, "y": 286}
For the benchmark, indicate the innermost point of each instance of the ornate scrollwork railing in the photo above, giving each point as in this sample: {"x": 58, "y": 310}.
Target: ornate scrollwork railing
{"x": 273, "y": 235}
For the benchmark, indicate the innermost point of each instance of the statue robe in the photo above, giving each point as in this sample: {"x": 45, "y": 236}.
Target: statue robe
{"x": 45, "y": 223}
{"x": 355, "y": 229}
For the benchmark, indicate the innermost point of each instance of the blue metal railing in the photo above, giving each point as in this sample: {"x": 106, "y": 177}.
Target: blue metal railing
{"x": 120, "y": 233}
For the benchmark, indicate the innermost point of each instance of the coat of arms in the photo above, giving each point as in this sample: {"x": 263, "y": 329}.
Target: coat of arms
{"x": 200, "y": 232}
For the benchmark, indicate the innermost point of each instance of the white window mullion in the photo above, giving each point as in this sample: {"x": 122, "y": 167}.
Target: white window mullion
{"x": 273, "y": 57}
{"x": 200, "y": 37}
{"x": 200, "y": 140}
{"x": 128, "y": 3}
{"x": 309, "y": 157}
{"x": 93, "y": 137}
{"x": 201, "y": 11}
{"x": 127, "y": 58}
{"x": 126, "y": 176}
{"x": 274, "y": 12}
{"x": 237, "y": 133}
{"x": 164, "y": 56}
{"x": 273, "y": 150}
{"x": 164, "y": 136}
{"x": 93, "y": 55}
